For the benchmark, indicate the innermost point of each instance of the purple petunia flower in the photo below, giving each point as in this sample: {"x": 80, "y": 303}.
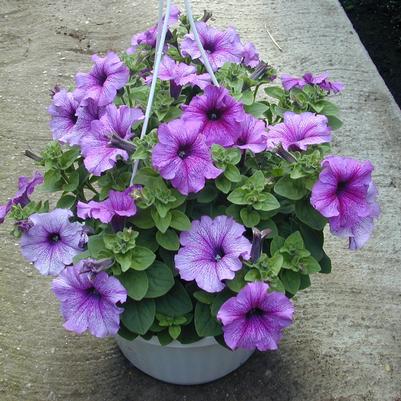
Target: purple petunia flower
{"x": 346, "y": 195}
{"x": 289, "y": 82}
{"x": 99, "y": 153}
{"x": 149, "y": 37}
{"x": 87, "y": 112}
{"x": 101, "y": 84}
{"x": 63, "y": 115}
{"x": 221, "y": 47}
{"x": 26, "y": 187}
{"x": 255, "y": 318}
{"x": 179, "y": 75}
{"x": 250, "y": 55}
{"x": 211, "y": 252}
{"x": 252, "y": 134}
{"x": 89, "y": 300}
{"x": 308, "y": 78}
{"x": 298, "y": 131}
{"x": 219, "y": 115}
{"x": 182, "y": 156}
{"x": 52, "y": 241}
{"x": 118, "y": 204}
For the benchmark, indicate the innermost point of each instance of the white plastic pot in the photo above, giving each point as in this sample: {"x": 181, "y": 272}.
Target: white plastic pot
{"x": 196, "y": 363}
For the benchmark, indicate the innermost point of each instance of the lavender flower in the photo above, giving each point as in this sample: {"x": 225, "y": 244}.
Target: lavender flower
{"x": 250, "y": 55}
{"x": 219, "y": 115}
{"x": 308, "y": 78}
{"x": 211, "y": 252}
{"x": 101, "y": 84}
{"x": 99, "y": 153}
{"x": 179, "y": 75}
{"x": 289, "y": 82}
{"x": 298, "y": 131}
{"x": 149, "y": 37}
{"x": 182, "y": 156}
{"x": 52, "y": 241}
{"x": 63, "y": 115}
{"x": 252, "y": 134}
{"x": 118, "y": 204}
{"x": 26, "y": 187}
{"x": 221, "y": 47}
{"x": 255, "y": 318}
{"x": 346, "y": 195}
{"x": 89, "y": 300}
{"x": 87, "y": 112}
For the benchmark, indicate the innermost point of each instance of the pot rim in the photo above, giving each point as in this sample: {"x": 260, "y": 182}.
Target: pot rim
{"x": 204, "y": 342}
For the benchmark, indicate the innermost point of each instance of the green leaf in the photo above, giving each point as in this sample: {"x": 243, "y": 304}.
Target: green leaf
{"x": 136, "y": 283}
{"x": 238, "y": 282}
{"x": 313, "y": 240}
{"x": 249, "y": 217}
{"x": 334, "y": 122}
{"x": 219, "y": 300}
{"x": 205, "y": 324}
{"x": 174, "y": 331}
{"x": 276, "y": 244}
{"x": 291, "y": 189}
{"x": 162, "y": 223}
{"x": 232, "y": 173}
{"x": 327, "y": 108}
{"x": 164, "y": 337}
{"x": 168, "y": 240}
{"x": 267, "y": 202}
{"x": 96, "y": 247}
{"x": 309, "y": 215}
{"x": 223, "y": 184}
{"x": 294, "y": 241}
{"x": 147, "y": 239}
{"x": 139, "y": 316}
{"x": 68, "y": 158}
{"x": 160, "y": 279}
{"x": 309, "y": 265}
{"x": 73, "y": 182}
{"x": 175, "y": 303}
{"x": 238, "y": 197}
{"x": 66, "y": 202}
{"x": 124, "y": 260}
{"x": 125, "y": 333}
{"x": 305, "y": 282}
{"x": 204, "y": 297}
{"x": 325, "y": 264}
{"x": 246, "y": 97}
{"x": 257, "y": 109}
{"x": 53, "y": 182}
{"x": 207, "y": 195}
{"x": 180, "y": 221}
{"x": 141, "y": 258}
{"x": 275, "y": 92}
{"x": 143, "y": 219}
{"x": 291, "y": 280}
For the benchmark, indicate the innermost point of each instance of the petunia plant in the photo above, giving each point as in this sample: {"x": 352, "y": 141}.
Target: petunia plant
{"x": 201, "y": 216}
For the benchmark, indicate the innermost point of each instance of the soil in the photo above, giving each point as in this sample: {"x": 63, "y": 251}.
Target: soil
{"x": 378, "y": 24}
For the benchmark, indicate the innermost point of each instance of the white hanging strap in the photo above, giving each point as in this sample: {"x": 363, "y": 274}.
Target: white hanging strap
{"x": 205, "y": 58}
{"x": 160, "y": 41}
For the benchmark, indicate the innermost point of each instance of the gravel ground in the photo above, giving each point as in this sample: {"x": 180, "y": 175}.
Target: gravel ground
{"x": 345, "y": 344}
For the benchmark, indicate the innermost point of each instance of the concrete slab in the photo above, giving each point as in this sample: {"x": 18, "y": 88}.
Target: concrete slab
{"x": 346, "y": 342}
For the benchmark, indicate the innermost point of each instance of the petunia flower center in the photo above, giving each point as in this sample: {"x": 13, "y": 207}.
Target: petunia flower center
{"x": 184, "y": 151}
{"x": 101, "y": 78}
{"x": 219, "y": 254}
{"x": 93, "y": 292}
{"x": 341, "y": 187}
{"x": 213, "y": 114}
{"x": 209, "y": 47}
{"x": 54, "y": 237}
{"x": 255, "y": 312}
